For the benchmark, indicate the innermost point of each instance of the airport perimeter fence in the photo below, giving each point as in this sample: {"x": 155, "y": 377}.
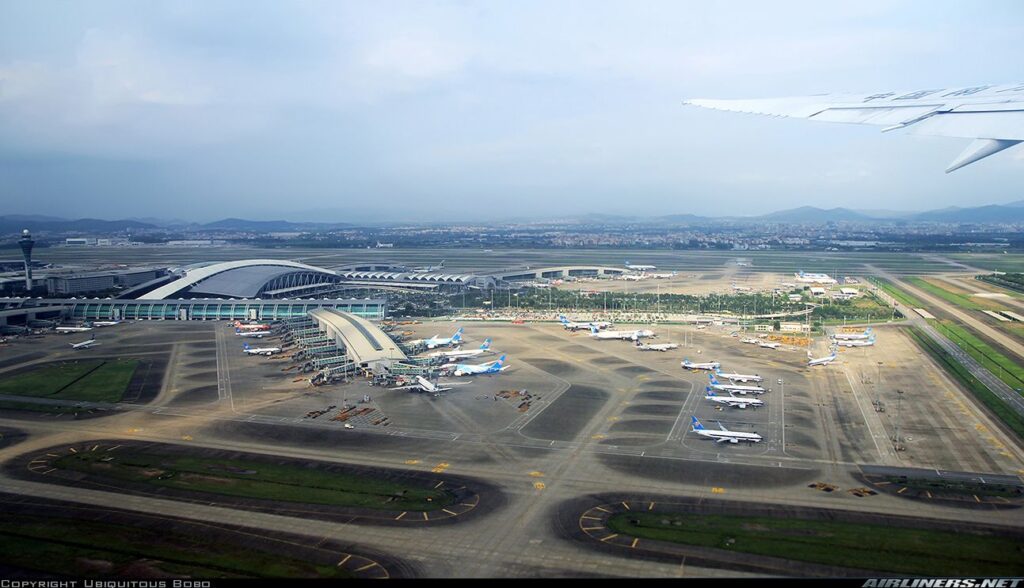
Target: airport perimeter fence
{"x": 1014, "y": 380}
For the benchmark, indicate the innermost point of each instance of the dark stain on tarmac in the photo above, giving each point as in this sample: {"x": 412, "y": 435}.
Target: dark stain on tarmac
{"x": 707, "y": 473}
{"x": 197, "y": 395}
{"x": 630, "y": 441}
{"x": 554, "y": 367}
{"x": 633, "y": 370}
{"x": 566, "y": 417}
{"x": 646, "y": 426}
{"x": 671, "y": 410}
{"x": 203, "y": 364}
{"x": 671, "y": 395}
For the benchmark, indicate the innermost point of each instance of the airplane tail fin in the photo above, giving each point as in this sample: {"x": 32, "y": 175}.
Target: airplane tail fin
{"x": 245, "y": 345}
{"x": 487, "y": 344}
{"x": 709, "y": 391}
{"x": 695, "y": 424}
{"x": 594, "y": 329}
{"x": 714, "y": 380}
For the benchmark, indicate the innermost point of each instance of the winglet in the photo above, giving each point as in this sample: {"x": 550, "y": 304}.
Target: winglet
{"x": 980, "y": 149}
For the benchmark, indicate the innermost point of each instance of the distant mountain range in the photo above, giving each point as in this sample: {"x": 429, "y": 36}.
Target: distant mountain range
{"x": 1012, "y": 212}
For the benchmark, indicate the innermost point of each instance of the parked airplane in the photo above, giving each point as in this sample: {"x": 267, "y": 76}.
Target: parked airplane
{"x": 768, "y": 345}
{"x": 739, "y": 288}
{"x": 268, "y": 351}
{"x": 734, "y": 387}
{"x": 104, "y": 323}
{"x": 468, "y": 369}
{"x": 457, "y": 354}
{"x": 989, "y": 113}
{"x": 424, "y": 385}
{"x": 857, "y": 343}
{"x": 739, "y": 377}
{"x": 663, "y": 275}
{"x": 634, "y": 277}
{"x": 257, "y": 334}
{"x": 85, "y": 344}
{"x": 853, "y": 336}
{"x": 574, "y": 326}
{"x": 750, "y": 340}
{"x": 239, "y": 325}
{"x": 623, "y": 335}
{"x": 821, "y": 360}
{"x": 806, "y": 278}
{"x": 437, "y": 341}
{"x": 710, "y": 365}
{"x": 655, "y": 346}
{"x": 724, "y": 435}
{"x": 640, "y": 268}
{"x": 69, "y": 330}
{"x": 731, "y": 400}
{"x": 430, "y": 268}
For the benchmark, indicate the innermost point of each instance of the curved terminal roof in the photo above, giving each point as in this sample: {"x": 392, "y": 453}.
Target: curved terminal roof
{"x": 237, "y": 279}
{"x": 364, "y": 341}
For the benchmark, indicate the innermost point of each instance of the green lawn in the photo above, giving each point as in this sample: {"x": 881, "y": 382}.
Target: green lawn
{"x": 947, "y": 295}
{"x": 92, "y": 549}
{"x": 901, "y": 296}
{"x": 959, "y": 373}
{"x": 255, "y": 479}
{"x": 94, "y": 380}
{"x": 854, "y": 545}
{"x": 1003, "y": 367}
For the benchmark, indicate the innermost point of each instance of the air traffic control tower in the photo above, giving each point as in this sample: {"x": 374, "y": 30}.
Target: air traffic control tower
{"x": 26, "y": 242}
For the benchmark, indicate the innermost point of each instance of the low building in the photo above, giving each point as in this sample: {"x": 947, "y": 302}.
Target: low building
{"x": 817, "y": 291}
{"x": 763, "y": 328}
{"x": 795, "y": 297}
{"x": 794, "y": 328}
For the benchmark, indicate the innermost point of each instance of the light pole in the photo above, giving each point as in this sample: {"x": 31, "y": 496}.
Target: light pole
{"x": 896, "y": 437}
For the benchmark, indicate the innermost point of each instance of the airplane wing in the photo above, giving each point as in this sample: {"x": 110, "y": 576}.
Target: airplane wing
{"x": 722, "y": 440}
{"x": 721, "y": 426}
{"x": 992, "y": 115}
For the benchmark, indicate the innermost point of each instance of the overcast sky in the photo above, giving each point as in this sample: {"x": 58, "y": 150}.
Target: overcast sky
{"x": 469, "y": 110}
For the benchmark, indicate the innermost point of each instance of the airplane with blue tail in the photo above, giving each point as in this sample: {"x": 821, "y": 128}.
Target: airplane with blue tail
{"x": 723, "y": 435}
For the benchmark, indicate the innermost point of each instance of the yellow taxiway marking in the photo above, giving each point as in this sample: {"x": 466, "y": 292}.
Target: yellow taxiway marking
{"x": 345, "y": 559}
{"x": 411, "y": 461}
{"x": 439, "y": 484}
{"x": 717, "y": 490}
{"x": 399, "y": 517}
{"x": 602, "y": 510}
{"x": 536, "y": 474}
{"x": 110, "y": 449}
{"x": 425, "y": 517}
{"x": 590, "y": 518}
{"x": 591, "y": 528}
{"x": 928, "y": 493}
{"x": 94, "y": 448}
{"x": 53, "y": 455}
{"x": 454, "y": 514}
{"x": 976, "y": 499}
{"x": 901, "y": 490}
{"x": 440, "y": 467}
{"x": 650, "y": 506}
{"x": 539, "y": 485}
{"x": 366, "y": 567}
{"x": 186, "y": 437}
{"x": 626, "y": 505}
{"x": 598, "y": 436}
{"x": 48, "y": 471}
{"x": 635, "y": 541}
{"x": 614, "y": 418}
{"x": 612, "y": 536}
{"x": 73, "y": 450}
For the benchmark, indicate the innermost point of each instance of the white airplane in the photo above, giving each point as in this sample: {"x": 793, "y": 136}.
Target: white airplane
{"x": 623, "y": 335}
{"x": 739, "y": 288}
{"x": 457, "y": 354}
{"x": 663, "y": 275}
{"x": 731, "y": 400}
{"x": 430, "y": 268}
{"x": 656, "y": 346}
{"x": 853, "y": 336}
{"x": 768, "y": 345}
{"x": 750, "y": 340}
{"x": 85, "y": 344}
{"x": 640, "y": 268}
{"x": 806, "y": 278}
{"x": 69, "y": 330}
{"x": 105, "y": 323}
{"x": 634, "y": 277}
{"x": 268, "y": 351}
{"x": 468, "y": 369}
{"x": 739, "y": 377}
{"x": 437, "y": 341}
{"x": 257, "y": 334}
{"x": 724, "y": 435}
{"x": 710, "y": 365}
{"x": 240, "y": 326}
{"x": 811, "y": 362}
{"x": 992, "y": 115}
{"x": 857, "y": 343}
{"x": 574, "y": 326}
{"x": 424, "y": 385}
{"x": 730, "y": 388}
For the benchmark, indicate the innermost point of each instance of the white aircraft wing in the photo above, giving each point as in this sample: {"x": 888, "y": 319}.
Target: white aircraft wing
{"x": 992, "y": 115}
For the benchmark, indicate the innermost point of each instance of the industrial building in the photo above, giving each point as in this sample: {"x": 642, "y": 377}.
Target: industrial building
{"x": 85, "y": 283}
